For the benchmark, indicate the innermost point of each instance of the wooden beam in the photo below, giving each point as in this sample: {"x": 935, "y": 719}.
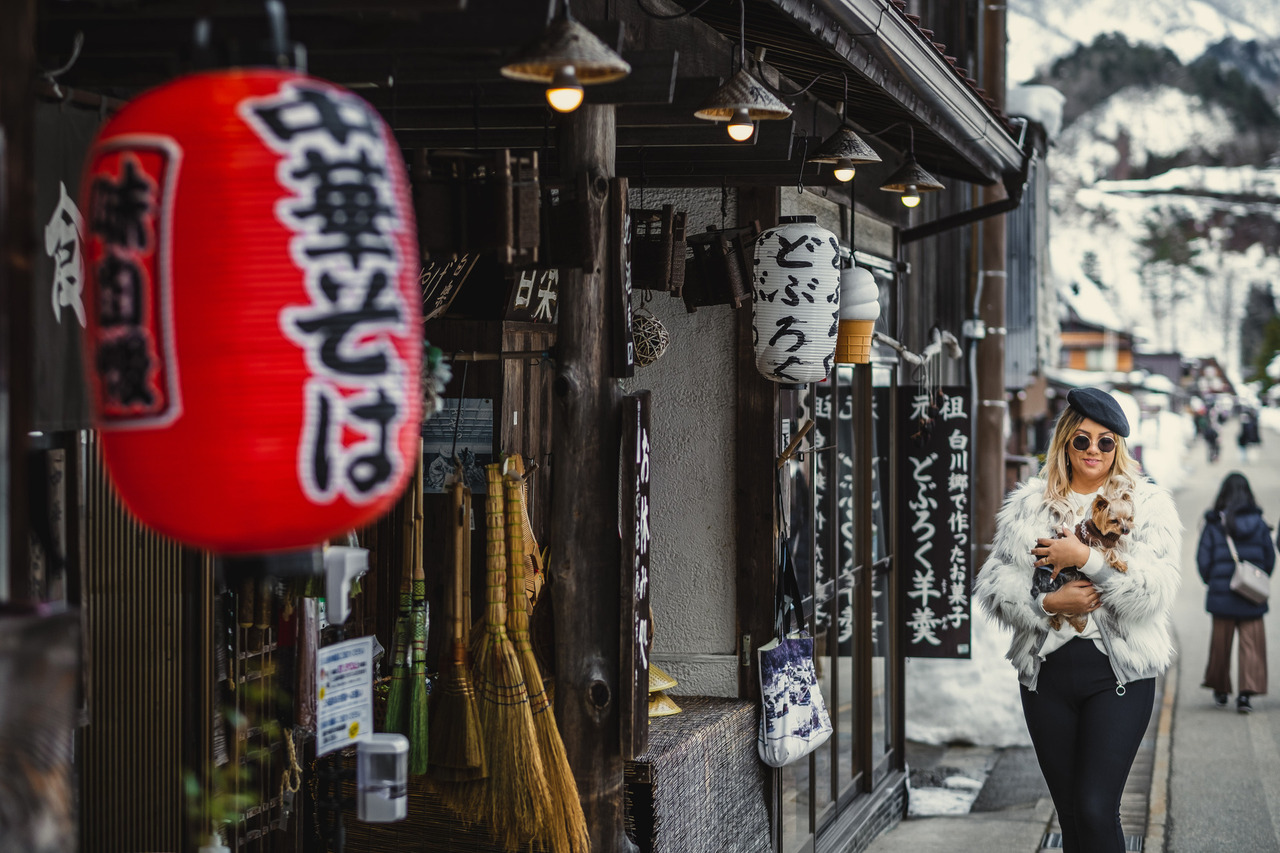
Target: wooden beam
{"x": 756, "y": 428}
{"x": 17, "y": 249}
{"x": 586, "y": 568}
{"x": 442, "y": 88}
{"x": 773, "y": 141}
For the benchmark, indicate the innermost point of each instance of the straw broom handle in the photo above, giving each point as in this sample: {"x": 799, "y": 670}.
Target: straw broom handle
{"x": 466, "y": 563}
{"x": 495, "y": 555}
{"x": 517, "y": 609}
{"x": 459, "y": 549}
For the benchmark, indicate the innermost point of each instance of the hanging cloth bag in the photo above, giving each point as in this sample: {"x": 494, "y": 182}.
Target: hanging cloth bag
{"x": 793, "y": 719}
{"x": 1249, "y": 581}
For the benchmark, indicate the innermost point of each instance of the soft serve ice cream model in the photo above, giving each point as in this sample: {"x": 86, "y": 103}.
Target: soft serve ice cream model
{"x": 859, "y": 310}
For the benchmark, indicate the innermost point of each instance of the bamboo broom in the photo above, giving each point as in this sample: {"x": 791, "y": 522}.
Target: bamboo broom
{"x": 397, "y": 718}
{"x": 418, "y": 731}
{"x": 565, "y": 829}
{"x": 457, "y": 746}
{"x": 514, "y": 795}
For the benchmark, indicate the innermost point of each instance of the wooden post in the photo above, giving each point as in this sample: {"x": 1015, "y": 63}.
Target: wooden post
{"x": 17, "y": 246}
{"x": 989, "y": 445}
{"x": 756, "y": 427}
{"x": 586, "y": 557}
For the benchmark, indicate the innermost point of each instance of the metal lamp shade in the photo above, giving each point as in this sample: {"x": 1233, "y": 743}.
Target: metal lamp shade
{"x": 844, "y": 144}
{"x": 568, "y": 43}
{"x": 910, "y": 174}
{"x": 742, "y": 92}
{"x": 796, "y": 305}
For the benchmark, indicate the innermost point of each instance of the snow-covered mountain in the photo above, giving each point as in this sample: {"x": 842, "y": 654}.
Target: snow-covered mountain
{"x": 1043, "y": 30}
{"x": 1165, "y": 186}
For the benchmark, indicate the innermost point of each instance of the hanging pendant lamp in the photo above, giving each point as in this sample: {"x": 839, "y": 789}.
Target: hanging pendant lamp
{"x": 567, "y": 57}
{"x": 911, "y": 180}
{"x": 742, "y": 100}
{"x": 844, "y": 149}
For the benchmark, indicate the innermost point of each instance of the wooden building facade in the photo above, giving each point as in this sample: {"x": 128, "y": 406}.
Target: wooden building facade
{"x": 539, "y": 234}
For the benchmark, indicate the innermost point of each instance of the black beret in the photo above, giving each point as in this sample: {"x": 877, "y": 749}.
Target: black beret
{"x": 1099, "y": 406}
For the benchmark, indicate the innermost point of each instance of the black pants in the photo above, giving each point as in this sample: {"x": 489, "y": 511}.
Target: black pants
{"x": 1086, "y": 737}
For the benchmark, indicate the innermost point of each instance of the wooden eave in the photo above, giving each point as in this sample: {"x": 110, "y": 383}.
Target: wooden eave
{"x": 432, "y": 69}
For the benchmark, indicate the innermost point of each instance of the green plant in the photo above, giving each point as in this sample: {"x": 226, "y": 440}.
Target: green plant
{"x": 219, "y": 795}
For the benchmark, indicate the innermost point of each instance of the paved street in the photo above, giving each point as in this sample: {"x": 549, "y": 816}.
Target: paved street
{"x": 1224, "y": 788}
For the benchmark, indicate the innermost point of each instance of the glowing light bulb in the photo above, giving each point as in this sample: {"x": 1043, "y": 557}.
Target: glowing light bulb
{"x": 740, "y": 126}
{"x": 844, "y": 170}
{"x": 911, "y": 196}
{"x": 565, "y": 92}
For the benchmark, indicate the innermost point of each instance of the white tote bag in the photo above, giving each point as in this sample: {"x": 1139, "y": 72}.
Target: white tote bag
{"x": 793, "y": 719}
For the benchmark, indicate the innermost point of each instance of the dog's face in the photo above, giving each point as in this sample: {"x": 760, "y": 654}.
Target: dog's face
{"x": 1113, "y": 516}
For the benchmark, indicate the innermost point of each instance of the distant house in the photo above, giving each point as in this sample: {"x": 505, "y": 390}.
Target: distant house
{"x": 1088, "y": 345}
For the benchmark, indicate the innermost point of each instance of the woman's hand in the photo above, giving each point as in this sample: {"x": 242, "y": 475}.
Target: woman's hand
{"x": 1059, "y": 554}
{"x": 1073, "y": 599}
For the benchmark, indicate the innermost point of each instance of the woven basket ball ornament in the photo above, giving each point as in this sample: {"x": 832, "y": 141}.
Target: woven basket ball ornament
{"x": 796, "y": 304}
{"x": 253, "y": 338}
{"x": 651, "y": 338}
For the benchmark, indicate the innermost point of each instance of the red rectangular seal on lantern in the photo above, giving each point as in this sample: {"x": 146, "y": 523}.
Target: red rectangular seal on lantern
{"x": 128, "y": 246}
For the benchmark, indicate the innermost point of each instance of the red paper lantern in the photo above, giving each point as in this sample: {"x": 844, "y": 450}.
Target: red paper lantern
{"x": 253, "y": 336}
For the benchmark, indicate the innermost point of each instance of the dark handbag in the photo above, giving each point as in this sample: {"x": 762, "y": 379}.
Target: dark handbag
{"x": 1248, "y": 581}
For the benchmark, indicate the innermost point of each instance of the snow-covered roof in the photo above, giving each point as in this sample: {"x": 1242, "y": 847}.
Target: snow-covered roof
{"x": 1235, "y": 181}
{"x": 1090, "y": 304}
{"x": 1042, "y": 104}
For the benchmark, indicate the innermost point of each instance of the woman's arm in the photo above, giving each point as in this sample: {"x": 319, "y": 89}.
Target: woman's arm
{"x": 1148, "y": 588}
{"x": 1204, "y": 553}
{"x": 1003, "y": 584}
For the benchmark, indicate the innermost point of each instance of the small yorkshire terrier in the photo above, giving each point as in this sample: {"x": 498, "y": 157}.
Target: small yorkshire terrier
{"x": 1109, "y": 519}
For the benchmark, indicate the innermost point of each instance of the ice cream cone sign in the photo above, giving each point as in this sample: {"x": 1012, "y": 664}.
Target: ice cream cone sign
{"x": 859, "y": 309}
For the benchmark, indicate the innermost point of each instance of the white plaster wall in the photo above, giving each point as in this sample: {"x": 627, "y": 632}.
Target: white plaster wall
{"x": 693, "y": 556}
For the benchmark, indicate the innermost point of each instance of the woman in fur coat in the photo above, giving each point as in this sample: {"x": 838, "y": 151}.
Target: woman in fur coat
{"x": 1087, "y": 689}
{"x": 1234, "y": 512}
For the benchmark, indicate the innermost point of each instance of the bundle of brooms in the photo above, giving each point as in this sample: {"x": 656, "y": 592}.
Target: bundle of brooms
{"x": 457, "y": 744}
{"x": 400, "y": 693}
{"x": 564, "y": 826}
{"x": 418, "y": 711}
{"x": 407, "y": 697}
{"x": 513, "y": 798}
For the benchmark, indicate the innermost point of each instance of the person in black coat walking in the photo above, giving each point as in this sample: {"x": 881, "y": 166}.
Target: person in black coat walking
{"x": 1234, "y": 513}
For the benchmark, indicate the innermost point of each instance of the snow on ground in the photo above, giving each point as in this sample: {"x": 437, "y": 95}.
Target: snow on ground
{"x": 1269, "y": 418}
{"x": 976, "y": 701}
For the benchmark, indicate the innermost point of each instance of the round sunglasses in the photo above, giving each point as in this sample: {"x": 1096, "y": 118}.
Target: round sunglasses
{"x": 1106, "y": 444}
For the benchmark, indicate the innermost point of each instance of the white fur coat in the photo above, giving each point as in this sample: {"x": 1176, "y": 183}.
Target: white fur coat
{"x": 1134, "y": 614}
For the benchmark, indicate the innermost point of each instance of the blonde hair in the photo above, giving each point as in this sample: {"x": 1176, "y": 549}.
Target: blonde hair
{"x": 1125, "y": 470}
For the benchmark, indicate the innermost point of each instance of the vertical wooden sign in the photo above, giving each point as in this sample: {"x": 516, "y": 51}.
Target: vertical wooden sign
{"x": 635, "y": 619}
{"x": 622, "y": 343}
{"x": 935, "y": 511}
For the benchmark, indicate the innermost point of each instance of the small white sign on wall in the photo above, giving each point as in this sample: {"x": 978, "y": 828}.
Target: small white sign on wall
{"x": 344, "y": 694}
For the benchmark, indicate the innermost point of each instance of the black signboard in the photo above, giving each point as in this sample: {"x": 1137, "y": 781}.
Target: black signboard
{"x": 441, "y": 280}
{"x": 635, "y": 617}
{"x": 63, "y": 136}
{"x": 623, "y": 346}
{"x": 535, "y": 296}
{"x": 834, "y": 429}
{"x": 935, "y": 512}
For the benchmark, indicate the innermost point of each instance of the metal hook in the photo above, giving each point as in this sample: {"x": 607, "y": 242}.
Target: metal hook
{"x": 77, "y": 44}
{"x": 804, "y": 152}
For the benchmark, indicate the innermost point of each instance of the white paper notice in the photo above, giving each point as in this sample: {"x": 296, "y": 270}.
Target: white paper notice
{"x": 344, "y": 694}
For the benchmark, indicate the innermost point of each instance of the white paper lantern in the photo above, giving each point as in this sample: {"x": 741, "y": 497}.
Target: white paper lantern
{"x": 796, "y": 301}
